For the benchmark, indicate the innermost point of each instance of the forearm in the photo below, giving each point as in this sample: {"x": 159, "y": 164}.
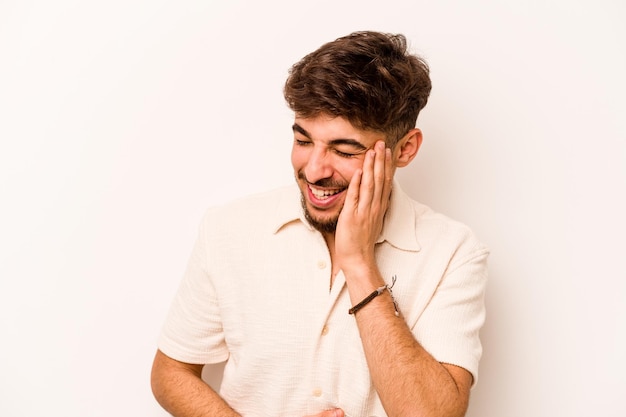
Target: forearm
{"x": 409, "y": 381}
{"x": 180, "y": 390}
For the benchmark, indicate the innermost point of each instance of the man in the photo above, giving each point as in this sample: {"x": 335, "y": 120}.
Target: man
{"x": 341, "y": 296}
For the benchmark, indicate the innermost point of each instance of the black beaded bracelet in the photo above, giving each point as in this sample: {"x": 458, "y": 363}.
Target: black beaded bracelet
{"x": 378, "y": 291}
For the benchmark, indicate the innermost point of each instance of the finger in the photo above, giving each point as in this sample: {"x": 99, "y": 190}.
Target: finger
{"x": 352, "y": 195}
{"x": 336, "y": 412}
{"x": 366, "y": 190}
{"x": 380, "y": 172}
{"x": 388, "y": 181}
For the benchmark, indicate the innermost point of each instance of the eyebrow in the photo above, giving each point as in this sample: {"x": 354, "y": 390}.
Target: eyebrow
{"x": 339, "y": 141}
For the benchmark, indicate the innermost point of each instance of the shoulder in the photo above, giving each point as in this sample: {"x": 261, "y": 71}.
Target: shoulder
{"x": 436, "y": 228}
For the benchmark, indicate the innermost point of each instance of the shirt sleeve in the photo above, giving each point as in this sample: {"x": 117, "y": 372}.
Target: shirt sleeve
{"x": 193, "y": 331}
{"x": 450, "y": 325}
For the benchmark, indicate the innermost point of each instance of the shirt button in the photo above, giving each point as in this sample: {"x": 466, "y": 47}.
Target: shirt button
{"x": 324, "y": 330}
{"x": 317, "y": 392}
{"x": 321, "y": 264}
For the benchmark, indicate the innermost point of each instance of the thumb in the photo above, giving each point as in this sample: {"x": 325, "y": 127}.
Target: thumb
{"x": 335, "y": 412}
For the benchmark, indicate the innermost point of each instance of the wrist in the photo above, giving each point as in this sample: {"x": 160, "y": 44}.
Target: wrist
{"x": 361, "y": 280}
{"x": 359, "y": 268}
{"x": 378, "y": 291}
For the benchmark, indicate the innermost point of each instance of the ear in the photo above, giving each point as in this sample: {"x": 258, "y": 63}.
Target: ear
{"x": 407, "y": 147}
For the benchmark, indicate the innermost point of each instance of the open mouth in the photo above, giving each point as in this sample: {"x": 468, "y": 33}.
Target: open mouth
{"x": 323, "y": 197}
{"x": 321, "y": 194}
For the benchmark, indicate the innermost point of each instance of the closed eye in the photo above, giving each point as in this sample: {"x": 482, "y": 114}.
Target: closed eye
{"x": 345, "y": 154}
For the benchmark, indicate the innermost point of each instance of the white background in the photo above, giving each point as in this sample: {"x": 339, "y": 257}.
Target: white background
{"x": 122, "y": 121}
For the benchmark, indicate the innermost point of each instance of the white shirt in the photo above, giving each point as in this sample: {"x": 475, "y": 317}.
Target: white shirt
{"x": 256, "y": 293}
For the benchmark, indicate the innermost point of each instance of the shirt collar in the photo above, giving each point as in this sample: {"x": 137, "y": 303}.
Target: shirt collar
{"x": 400, "y": 221}
{"x": 398, "y": 227}
{"x": 289, "y": 209}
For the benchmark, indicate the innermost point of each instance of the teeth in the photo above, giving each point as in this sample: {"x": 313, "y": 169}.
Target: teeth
{"x": 321, "y": 194}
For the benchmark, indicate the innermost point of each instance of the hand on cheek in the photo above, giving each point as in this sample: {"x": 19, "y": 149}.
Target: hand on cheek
{"x": 361, "y": 219}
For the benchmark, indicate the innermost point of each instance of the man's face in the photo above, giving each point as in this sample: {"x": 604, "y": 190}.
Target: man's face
{"x": 326, "y": 152}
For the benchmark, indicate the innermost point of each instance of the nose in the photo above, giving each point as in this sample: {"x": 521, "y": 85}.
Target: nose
{"x": 318, "y": 166}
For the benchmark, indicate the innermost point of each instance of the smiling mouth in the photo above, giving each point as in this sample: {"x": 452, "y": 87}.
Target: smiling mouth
{"x": 323, "y": 194}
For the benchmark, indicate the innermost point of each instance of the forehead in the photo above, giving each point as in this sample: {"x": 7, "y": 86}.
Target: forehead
{"x": 329, "y": 129}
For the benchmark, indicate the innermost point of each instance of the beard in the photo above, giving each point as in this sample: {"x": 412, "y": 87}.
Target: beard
{"x": 321, "y": 224}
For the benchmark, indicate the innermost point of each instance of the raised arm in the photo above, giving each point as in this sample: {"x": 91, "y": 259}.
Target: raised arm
{"x": 409, "y": 381}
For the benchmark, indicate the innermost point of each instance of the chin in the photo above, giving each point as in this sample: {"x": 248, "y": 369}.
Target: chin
{"x": 324, "y": 224}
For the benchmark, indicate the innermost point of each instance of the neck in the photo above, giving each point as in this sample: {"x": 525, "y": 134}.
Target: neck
{"x": 330, "y": 242}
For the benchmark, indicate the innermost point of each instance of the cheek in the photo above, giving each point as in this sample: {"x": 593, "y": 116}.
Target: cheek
{"x": 347, "y": 167}
{"x": 297, "y": 158}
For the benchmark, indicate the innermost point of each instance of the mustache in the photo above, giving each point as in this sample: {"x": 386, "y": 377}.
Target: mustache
{"x": 324, "y": 182}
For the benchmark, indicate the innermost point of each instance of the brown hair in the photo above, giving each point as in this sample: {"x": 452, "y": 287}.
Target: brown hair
{"x": 367, "y": 77}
